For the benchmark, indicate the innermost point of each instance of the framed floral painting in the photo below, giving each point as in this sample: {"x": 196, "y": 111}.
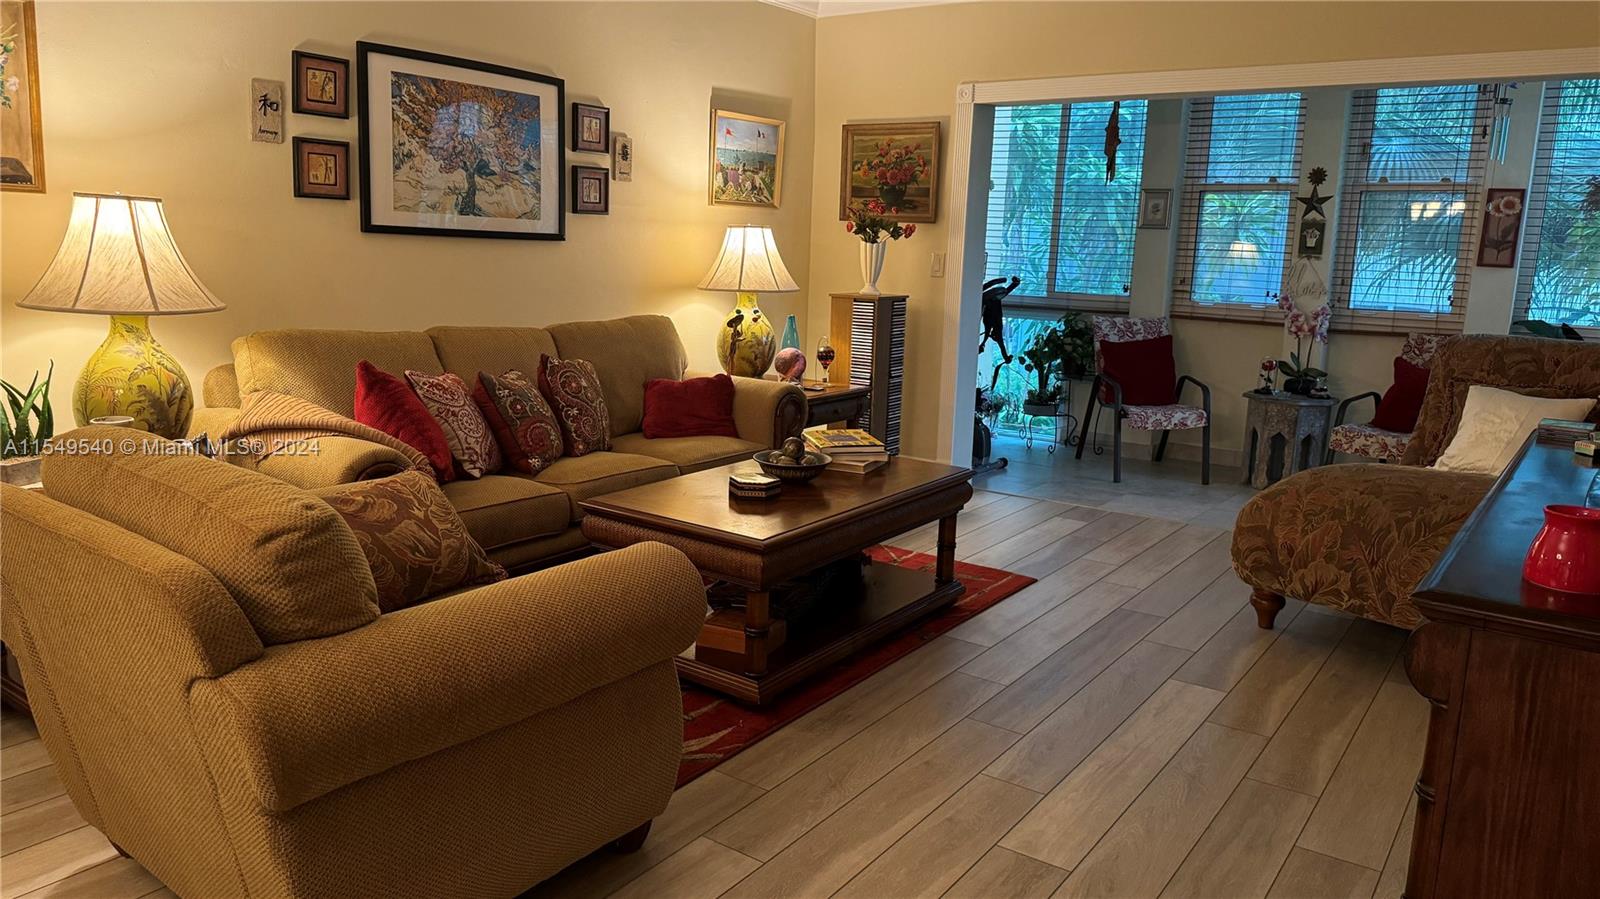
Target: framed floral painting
{"x": 896, "y": 162}
{"x": 460, "y": 148}
{"x": 21, "y": 133}
{"x": 1502, "y": 224}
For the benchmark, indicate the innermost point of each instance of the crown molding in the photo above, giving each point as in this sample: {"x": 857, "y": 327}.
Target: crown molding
{"x": 821, "y": 9}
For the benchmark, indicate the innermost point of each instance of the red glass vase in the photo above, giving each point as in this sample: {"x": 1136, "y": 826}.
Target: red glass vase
{"x": 1565, "y": 554}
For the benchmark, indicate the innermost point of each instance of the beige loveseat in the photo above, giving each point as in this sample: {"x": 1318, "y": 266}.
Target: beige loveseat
{"x": 520, "y": 520}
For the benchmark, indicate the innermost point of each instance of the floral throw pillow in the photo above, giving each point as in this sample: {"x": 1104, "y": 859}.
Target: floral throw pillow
{"x": 573, "y": 388}
{"x": 451, "y": 405}
{"x": 521, "y": 419}
{"x": 415, "y": 543}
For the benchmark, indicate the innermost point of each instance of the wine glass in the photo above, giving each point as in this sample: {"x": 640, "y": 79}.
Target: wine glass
{"x": 825, "y": 356}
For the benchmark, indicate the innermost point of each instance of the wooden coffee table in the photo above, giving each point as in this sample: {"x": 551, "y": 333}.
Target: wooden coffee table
{"x": 765, "y": 548}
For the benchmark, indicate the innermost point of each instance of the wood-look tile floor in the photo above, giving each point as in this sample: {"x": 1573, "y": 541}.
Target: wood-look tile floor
{"x": 1119, "y": 729}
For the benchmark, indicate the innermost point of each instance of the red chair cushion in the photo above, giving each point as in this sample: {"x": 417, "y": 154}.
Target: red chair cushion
{"x": 1144, "y": 368}
{"x": 388, "y": 403}
{"x": 1402, "y": 402}
{"x": 694, "y": 407}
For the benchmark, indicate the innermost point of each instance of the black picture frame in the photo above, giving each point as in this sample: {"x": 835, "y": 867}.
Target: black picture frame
{"x": 600, "y": 176}
{"x": 580, "y": 111}
{"x": 304, "y": 147}
{"x": 339, "y": 107}
{"x": 364, "y": 51}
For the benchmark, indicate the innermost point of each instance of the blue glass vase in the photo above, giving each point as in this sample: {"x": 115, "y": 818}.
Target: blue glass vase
{"x": 791, "y": 335}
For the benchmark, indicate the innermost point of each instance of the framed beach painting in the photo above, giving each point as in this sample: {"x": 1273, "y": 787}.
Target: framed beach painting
{"x": 746, "y": 160}
{"x": 896, "y": 163}
{"x": 21, "y": 134}
{"x": 459, "y": 148}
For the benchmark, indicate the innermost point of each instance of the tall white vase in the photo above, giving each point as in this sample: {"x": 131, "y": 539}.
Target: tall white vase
{"x": 872, "y": 266}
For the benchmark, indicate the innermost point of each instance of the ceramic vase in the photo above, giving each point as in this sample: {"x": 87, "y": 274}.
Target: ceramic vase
{"x": 1565, "y": 554}
{"x": 132, "y": 374}
{"x": 746, "y": 343}
{"x": 871, "y": 267}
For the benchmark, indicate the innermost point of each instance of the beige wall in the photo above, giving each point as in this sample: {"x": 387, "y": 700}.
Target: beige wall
{"x": 906, "y": 64}
{"x": 151, "y": 99}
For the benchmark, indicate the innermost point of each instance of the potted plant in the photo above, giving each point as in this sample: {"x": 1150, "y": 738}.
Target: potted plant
{"x": 1044, "y": 359}
{"x": 1078, "y": 335}
{"x": 874, "y": 224}
{"x": 24, "y": 427}
{"x": 1300, "y": 378}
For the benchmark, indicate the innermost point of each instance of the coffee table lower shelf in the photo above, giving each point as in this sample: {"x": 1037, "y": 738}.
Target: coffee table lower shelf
{"x": 893, "y": 598}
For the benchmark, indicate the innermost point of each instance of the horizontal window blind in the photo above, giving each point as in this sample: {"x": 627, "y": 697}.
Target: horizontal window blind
{"x": 1559, "y": 276}
{"x": 1240, "y": 173}
{"x": 1410, "y": 208}
{"x": 1054, "y": 219}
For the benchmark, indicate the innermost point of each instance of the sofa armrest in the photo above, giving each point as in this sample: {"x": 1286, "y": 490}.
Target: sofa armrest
{"x": 765, "y": 411}
{"x": 330, "y": 461}
{"x": 307, "y": 718}
{"x": 211, "y": 421}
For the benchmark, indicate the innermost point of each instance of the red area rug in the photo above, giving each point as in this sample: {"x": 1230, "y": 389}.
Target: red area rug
{"x": 716, "y": 729}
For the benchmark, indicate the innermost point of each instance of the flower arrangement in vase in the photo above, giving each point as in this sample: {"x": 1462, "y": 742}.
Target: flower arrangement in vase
{"x": 874, "y": 224}
{"x": 1300, "y": 378}
{"x": 894, "y": 168}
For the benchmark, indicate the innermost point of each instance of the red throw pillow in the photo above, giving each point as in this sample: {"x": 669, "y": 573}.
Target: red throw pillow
{"x": 521, "y": 419}
{"x": 1402, "y": 402}
{"x": 1144, "y": 368}
{"x": 695, "y": 407}
{"x": 388, "y": 403}
{"x": 573, "y": 388}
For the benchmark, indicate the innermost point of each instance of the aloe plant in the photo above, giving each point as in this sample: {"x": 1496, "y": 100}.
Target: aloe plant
{"x": 29, "y": 422}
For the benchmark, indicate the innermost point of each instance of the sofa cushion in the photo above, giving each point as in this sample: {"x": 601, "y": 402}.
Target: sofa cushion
{"x": 693, "y": 407}
{"x": 521, "y": 418}
{"x": 320, "y": 366}
{"x": 1353, "y": 537}
{"x": 573, "y": 388}
{"x": 502, "y": 509}
{"x": 388, "y": 403}
{"x": 450, "y": 402}
{"x": 688, "y": 453}
{"x": 603, "y": 472}
{"x": 627, "y": 352}
{"x": 416, "y": 544}
{"x": 288, "y": 559}
{"x": 1495, "y": 423}
{"x": 467, "y": 351}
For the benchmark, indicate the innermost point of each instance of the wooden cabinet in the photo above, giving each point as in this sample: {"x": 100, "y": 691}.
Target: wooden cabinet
{"x": 1508, "y": 799}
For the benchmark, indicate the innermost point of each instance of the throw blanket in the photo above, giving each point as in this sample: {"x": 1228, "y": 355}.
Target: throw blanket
{"x": 269, "y": 423}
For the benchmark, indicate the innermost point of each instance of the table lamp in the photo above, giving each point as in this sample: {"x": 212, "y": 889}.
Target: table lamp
{"x": 749, "y": 262}
{"x": 118, "y": 259}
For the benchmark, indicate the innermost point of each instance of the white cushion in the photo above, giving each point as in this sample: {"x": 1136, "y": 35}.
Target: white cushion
{"x": 1494, "y": 425}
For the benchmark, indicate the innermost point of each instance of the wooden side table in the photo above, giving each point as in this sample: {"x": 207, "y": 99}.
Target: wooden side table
{"x": 1284, "y": 433}
{"x": 836, "y": 402}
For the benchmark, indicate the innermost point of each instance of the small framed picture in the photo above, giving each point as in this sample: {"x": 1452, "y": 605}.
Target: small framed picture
{"x": 321, "y": 85}
{"x": 1313, "y": 232}
{"x": 591, "y": 190}
{"x": 746, "y": 160}
{"x": 1155, "y": 207}
{"x": 321, "y": 168}
{"x": 621, "y": 156}
{"x": 591, "y": 128}
{"x": 1502, "y": 223}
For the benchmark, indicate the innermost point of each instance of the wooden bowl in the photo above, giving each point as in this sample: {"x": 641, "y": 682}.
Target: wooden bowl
{"x": 774, "y": 464}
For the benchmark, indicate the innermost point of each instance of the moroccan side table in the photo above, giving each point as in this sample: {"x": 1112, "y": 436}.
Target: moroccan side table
{"x": 1284, "y": 433}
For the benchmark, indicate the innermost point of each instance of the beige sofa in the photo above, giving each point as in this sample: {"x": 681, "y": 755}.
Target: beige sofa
{"x": 520, "y": 520}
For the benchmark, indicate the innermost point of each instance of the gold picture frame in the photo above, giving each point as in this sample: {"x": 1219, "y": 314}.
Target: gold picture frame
{"x": 746, "y": 160}
{"x": 21, "y": 157}
{"x": 918, "y": 198}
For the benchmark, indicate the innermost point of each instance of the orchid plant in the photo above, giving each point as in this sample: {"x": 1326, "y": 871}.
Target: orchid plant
{"x": 1303, "y": 327}
{"x": 872, "y": 221}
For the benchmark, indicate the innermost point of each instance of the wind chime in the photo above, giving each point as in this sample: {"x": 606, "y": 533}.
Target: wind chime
{"x": 1498, "y": 131}
{"x": 1113, "y": 139}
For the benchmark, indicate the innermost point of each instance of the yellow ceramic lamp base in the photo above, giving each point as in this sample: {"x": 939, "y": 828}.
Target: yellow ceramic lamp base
{"x": 746, "y": 343}
{"x": 131, "y": 374}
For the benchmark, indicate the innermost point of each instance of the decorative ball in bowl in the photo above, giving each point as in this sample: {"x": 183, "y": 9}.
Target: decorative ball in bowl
{"x": 790, "y": 469}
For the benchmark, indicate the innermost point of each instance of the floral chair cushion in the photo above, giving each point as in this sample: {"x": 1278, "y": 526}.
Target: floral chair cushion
{"x": 1368, "y": 441}
{"x": 1121, "y": 329}
{"x": 1172, "y": 417}
{"x": 1419, "y": 348}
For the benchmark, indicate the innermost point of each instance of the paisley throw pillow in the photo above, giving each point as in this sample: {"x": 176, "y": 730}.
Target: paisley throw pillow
{"x": 450, "y": 403}
{"x": 573, "y": 388}
{"x": 522, "y": 421}
{"x": 415, "y": 543}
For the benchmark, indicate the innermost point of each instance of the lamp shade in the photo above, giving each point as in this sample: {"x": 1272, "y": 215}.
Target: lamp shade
{"x": 749, "y": 263}
{"x": 118, "y": 258}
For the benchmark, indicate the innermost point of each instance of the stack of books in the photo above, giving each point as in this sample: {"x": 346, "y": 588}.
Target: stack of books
{"x": 852, "y": 449}
{"x": 1556, "y": 430}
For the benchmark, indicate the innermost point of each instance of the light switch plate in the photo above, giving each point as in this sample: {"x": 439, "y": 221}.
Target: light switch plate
{"x": 937, "y": 268}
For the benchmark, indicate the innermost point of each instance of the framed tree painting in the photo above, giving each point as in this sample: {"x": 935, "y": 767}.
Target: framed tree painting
{"x": 21, "y": 133}
{"x": 459, "y": 148}
{"x": 746, "y": 160}
{"x": 893, "y": 162}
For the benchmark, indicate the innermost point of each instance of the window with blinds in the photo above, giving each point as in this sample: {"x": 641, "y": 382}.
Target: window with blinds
{"x": 1559, "y": 280}
{"x": 1241, "y": 170}
{"x": 1055, "y": 220}
{"x": 1410, "y": 208}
